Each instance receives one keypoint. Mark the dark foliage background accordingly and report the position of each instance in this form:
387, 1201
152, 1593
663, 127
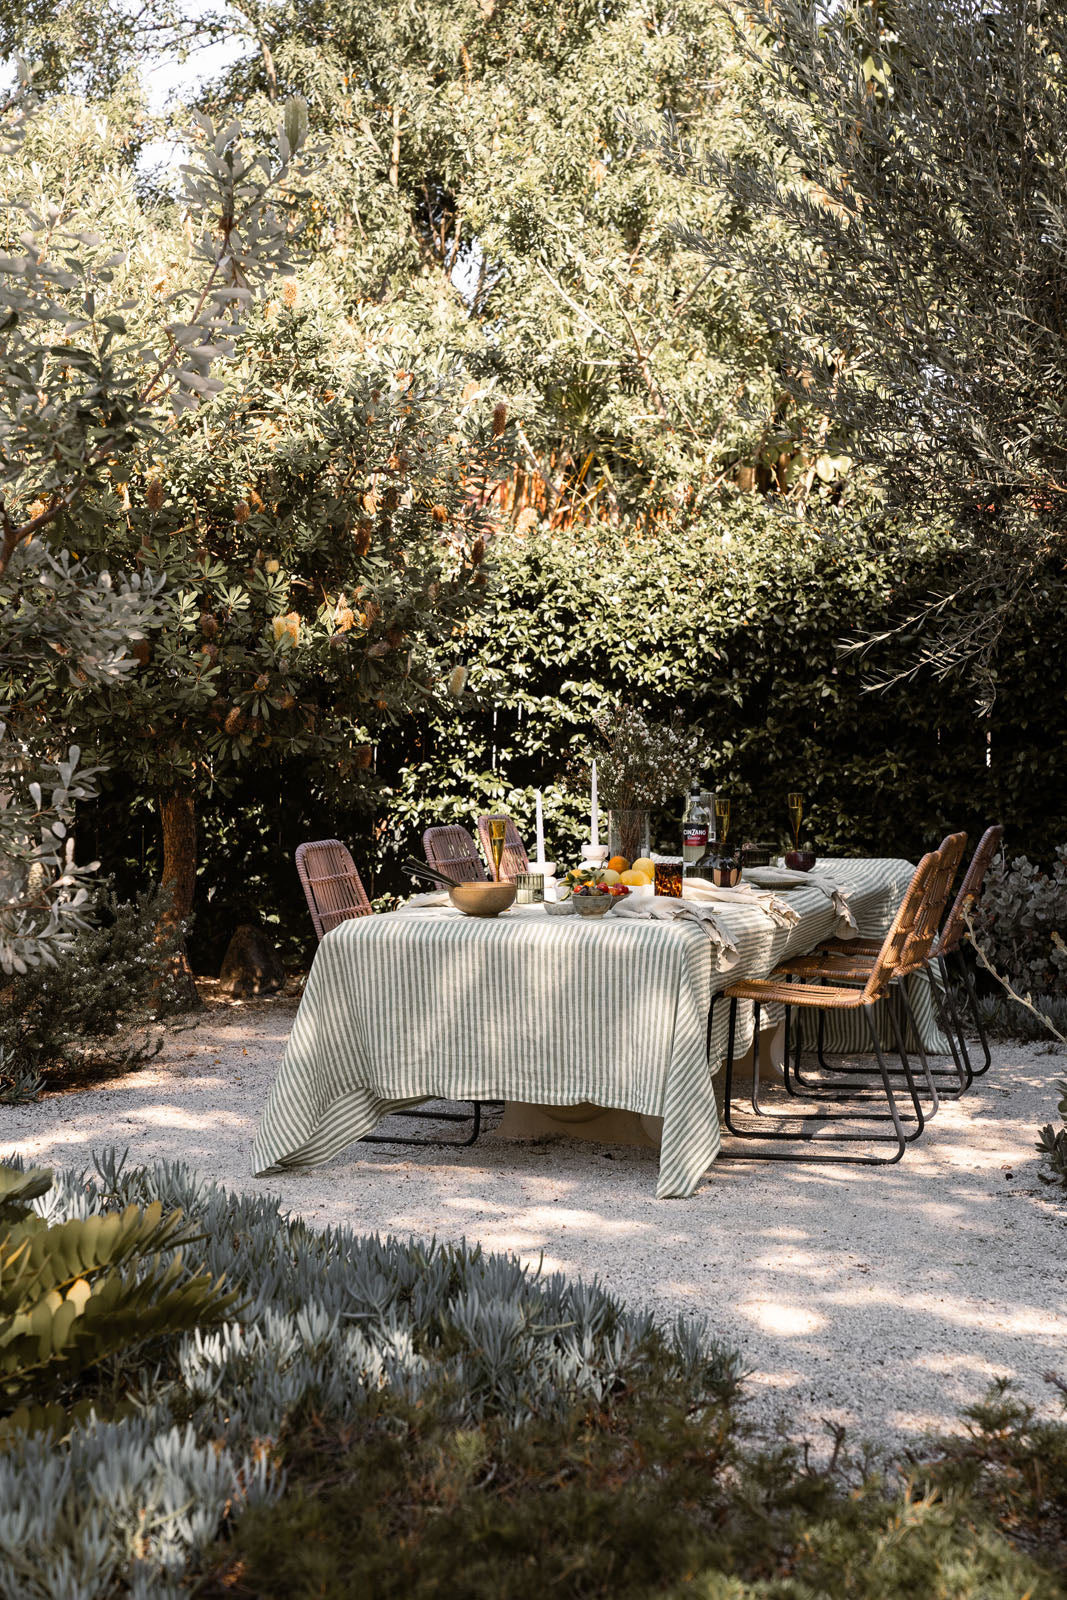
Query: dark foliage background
743, 636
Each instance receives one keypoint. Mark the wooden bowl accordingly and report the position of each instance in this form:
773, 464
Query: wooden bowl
482, 899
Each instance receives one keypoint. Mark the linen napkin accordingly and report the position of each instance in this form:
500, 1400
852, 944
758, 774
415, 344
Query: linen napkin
661, 908
782, 877
700, 892
427, 901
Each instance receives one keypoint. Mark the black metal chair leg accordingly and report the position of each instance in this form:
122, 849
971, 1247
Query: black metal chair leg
951, 1024
474, 1117
972, 995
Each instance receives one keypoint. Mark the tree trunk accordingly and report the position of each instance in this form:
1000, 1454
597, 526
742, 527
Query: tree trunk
177, 812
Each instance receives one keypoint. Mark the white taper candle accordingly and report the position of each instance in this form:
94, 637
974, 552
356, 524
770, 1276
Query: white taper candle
594, 813
540, 827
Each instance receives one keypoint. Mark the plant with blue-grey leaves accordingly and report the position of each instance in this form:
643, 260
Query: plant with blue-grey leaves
165, 1442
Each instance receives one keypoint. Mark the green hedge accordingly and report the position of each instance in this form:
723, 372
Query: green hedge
737, 622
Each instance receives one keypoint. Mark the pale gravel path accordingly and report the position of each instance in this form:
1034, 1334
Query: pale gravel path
883, 1298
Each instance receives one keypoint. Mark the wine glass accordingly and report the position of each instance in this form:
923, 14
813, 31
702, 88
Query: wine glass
795, 802
722, 817
497, 831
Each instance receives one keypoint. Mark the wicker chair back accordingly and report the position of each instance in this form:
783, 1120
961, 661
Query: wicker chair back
452, 851
970, 890
332, 886
514, 860
890, 958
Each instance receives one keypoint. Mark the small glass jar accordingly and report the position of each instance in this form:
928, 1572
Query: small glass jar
529, 888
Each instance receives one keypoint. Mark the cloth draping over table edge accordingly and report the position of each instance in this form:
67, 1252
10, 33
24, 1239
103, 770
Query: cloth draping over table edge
362, 1045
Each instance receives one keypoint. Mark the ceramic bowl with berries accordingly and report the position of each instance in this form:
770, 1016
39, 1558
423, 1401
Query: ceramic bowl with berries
594, 890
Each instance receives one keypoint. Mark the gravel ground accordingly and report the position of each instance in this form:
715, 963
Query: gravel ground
882, 1299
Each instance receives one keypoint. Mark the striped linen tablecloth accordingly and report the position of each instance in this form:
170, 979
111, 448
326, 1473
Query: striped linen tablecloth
424, 1004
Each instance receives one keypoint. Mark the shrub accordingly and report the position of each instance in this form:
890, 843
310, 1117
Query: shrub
374, 1338
1022, 911
58, 1023
1052, 1143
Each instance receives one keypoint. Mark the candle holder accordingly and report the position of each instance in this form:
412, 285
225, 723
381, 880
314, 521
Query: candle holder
595, 854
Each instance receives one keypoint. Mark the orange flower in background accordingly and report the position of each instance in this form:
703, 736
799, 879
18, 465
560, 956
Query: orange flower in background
439, 513
290, 292
153, 495
242, 511
344, 618
500, 418
289, 624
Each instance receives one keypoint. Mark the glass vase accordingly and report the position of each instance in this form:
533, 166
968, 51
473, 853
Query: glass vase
628, 834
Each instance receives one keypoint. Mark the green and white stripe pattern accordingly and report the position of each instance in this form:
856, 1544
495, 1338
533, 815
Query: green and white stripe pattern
430, 1004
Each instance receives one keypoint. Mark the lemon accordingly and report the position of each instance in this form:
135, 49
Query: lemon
609, 875
634, 879
643, 864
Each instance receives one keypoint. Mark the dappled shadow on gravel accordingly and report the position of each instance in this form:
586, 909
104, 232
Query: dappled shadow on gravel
881, 1299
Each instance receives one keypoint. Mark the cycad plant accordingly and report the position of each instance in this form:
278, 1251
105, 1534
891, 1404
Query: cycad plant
76, 1292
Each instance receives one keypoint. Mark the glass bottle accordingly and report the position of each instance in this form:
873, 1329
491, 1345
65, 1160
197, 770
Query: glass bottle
695, 826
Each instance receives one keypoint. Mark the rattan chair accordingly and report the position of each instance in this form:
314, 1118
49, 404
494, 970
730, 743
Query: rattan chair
514, 860
781, 989
332, 887
851, 961
335, 894
452, 851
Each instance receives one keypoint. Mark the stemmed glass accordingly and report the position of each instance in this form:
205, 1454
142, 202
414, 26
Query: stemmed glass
795, 802
497, 831
722, 817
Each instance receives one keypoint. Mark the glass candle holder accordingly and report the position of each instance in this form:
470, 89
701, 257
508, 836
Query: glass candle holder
529, 888
668, 876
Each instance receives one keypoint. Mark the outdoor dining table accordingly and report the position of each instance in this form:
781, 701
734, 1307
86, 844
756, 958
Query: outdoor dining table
424, 1003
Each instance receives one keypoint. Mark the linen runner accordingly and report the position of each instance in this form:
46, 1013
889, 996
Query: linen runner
550, 1010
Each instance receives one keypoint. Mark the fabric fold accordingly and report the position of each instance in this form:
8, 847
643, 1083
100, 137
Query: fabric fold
698, 891
785, 878
662, 908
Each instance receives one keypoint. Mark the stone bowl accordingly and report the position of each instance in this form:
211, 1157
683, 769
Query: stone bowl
482, 899
595, 905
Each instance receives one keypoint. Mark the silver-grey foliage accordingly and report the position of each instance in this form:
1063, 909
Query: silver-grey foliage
330, 1320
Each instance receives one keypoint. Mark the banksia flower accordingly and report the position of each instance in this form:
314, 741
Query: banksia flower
477, 552
392, 499
370, 502
371, 611
289, 624
286, 702
209, 625
439, 513
141, 651
363, 755
290, 293
344, 618
211, 652
242, 511
272, 566
153, 495
363, 537
500, 418
235, 721
457, 682
395, 637
261, 683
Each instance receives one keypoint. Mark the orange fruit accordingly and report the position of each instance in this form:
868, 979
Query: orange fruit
619, 864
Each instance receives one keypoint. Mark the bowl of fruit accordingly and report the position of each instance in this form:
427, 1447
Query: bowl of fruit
594, 890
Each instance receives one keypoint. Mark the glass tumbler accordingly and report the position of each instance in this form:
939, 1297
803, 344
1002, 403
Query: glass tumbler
668, 876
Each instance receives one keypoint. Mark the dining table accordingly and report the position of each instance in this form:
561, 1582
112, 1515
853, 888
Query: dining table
426, 1003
